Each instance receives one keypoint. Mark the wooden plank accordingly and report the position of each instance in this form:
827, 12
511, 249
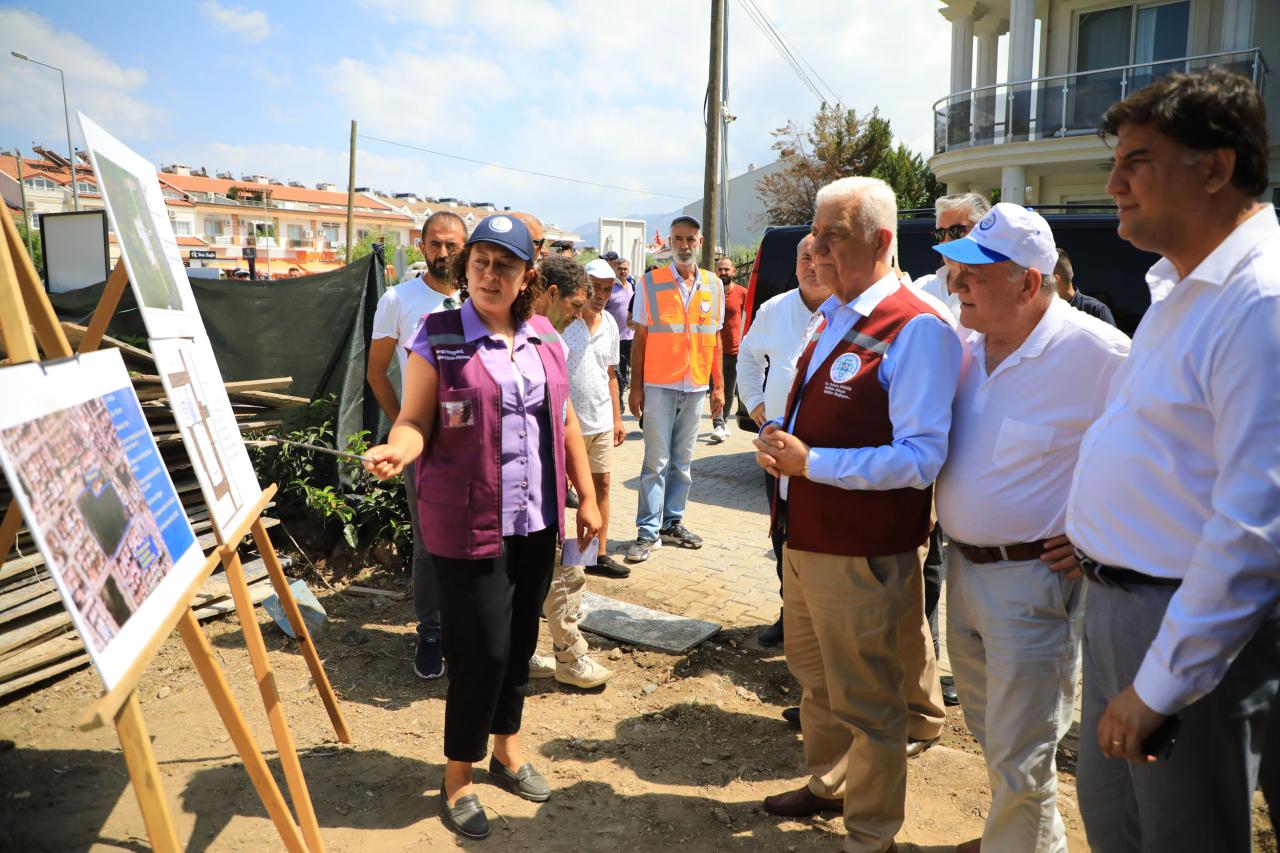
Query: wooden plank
15, 639
36, 657
18, 565
244, 386
32, 605
40, 675
133, 356
371, 592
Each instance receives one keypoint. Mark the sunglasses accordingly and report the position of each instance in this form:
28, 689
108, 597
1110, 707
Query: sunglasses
954, 232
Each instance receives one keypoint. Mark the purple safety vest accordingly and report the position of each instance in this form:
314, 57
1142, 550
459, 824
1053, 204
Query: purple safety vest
460, 471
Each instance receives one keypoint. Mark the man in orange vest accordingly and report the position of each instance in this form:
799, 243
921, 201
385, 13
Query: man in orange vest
675, 355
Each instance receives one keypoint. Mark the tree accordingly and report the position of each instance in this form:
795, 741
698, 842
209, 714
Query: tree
390, 240
839, 144
37, 247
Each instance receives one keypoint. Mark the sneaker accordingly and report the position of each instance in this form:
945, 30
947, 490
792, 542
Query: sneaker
542, 666
678, 534
607, 567
571, 498
718, 433
428, 660
640, 549
583, 672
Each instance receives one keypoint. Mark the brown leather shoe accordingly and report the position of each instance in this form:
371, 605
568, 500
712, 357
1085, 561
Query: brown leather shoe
973, 845
801, 803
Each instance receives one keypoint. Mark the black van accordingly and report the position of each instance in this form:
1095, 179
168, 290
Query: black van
1106, 267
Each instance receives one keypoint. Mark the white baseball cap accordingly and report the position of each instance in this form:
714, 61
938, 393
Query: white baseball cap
1010, 232
600, 269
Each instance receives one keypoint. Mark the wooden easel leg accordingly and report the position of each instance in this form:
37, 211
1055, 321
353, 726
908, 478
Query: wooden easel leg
271, 699
9, 529
145, 775
106, 309
290, 604
256, 766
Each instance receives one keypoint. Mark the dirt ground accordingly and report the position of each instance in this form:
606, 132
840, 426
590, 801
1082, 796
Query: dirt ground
675, 753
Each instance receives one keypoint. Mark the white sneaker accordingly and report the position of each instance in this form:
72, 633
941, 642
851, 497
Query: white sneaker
542, 666
715, 437
583, 672
722, 431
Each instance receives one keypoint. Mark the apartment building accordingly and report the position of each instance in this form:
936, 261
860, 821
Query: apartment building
1034, 136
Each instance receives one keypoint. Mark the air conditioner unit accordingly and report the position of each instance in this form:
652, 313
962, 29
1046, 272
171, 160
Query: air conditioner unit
307, 234
226, 221
333, 244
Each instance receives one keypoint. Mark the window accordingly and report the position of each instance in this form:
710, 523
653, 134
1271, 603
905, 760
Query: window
86, 187
40, 184
168, 193
295, 236
213, 226
1132, 34
330, 233
182, 227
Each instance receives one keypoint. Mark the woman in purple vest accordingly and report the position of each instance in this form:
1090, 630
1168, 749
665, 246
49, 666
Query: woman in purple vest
486, 406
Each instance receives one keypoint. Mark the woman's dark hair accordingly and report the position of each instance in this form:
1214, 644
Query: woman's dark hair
522, 308
1203, 110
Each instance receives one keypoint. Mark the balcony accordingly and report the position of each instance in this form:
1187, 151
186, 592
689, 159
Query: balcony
1063, 105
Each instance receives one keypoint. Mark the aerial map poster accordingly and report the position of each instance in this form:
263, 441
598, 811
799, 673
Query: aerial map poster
207, 422
99, 502
141, 224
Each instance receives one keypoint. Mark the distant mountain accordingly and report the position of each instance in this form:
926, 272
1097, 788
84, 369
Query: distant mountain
590, 231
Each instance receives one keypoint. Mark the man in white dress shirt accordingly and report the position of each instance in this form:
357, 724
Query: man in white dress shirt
1175, 502
954, 216
767, 365
1014, 595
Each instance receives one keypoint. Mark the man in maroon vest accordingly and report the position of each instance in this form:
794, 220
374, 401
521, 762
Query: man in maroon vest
856, 454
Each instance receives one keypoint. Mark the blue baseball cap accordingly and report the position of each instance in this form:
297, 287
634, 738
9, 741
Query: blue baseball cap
505, 231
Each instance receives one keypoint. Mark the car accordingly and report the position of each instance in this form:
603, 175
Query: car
1106, 267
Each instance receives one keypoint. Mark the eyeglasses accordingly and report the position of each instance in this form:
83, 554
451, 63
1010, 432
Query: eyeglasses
954, 232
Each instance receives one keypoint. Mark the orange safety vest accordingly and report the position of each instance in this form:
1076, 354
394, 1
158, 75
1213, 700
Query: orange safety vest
680, 340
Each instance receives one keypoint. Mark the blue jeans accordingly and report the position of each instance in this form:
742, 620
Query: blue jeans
670, 429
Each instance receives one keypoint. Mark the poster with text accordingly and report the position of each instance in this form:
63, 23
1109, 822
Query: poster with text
88, 476
141, 224
208, 426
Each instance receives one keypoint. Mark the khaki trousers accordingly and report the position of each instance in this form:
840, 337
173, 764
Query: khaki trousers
562, 609
853, 627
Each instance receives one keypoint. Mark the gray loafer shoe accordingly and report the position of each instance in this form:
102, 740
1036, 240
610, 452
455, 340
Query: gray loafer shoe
526, 782
465, 817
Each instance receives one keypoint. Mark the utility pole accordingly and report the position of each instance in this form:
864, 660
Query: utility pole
22, 196
351, 194
711, 170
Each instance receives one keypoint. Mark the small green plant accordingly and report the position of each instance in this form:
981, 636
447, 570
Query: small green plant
339, 494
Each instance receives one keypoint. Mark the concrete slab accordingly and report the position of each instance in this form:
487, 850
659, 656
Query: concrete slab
642, 626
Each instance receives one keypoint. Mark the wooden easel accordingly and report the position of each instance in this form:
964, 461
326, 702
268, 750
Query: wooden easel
19, 288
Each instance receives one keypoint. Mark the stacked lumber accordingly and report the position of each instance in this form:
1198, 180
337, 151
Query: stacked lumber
37, 640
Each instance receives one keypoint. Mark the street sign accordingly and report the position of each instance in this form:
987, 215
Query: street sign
202, 254
249, 252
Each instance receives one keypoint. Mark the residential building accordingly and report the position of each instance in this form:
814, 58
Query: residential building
1034, 136
421, 207
745, 213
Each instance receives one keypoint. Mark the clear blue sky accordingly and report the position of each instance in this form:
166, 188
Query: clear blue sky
605, 90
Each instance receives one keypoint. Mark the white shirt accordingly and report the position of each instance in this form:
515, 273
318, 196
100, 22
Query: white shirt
778, 335
919, 371
591, 354
401, 309
1015, 434
640, 316
1180, 476
935, 284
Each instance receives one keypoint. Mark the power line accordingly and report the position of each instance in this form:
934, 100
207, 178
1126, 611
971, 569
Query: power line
771, 36
792, 48
522, 171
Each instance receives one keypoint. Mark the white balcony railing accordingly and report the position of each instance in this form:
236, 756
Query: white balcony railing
1064, 104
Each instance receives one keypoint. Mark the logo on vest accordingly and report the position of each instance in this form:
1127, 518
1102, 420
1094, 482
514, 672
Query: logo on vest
844, 368
706, 305
459, 354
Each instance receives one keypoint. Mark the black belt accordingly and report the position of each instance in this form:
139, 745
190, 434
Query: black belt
1104, 575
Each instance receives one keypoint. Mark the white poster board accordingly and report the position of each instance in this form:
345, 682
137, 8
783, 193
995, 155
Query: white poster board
74, 248
627, 238
190, 375
145, 234
88, 476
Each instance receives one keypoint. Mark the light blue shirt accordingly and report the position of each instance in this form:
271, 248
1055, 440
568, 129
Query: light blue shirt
920, 371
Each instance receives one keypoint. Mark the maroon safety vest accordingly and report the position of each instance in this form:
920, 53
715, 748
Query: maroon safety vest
843, 406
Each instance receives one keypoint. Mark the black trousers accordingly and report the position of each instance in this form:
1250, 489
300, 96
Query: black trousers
624, 368
935, 572
729, 364
490, 610
778, 538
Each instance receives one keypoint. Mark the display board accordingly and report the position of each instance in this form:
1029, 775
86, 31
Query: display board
627, 238
74, 249
189, 373
98, 500
148, 245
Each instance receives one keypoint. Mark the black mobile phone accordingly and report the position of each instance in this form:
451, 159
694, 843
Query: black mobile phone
1160, 742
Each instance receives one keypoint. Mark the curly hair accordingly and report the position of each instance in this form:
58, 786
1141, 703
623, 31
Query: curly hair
522, 308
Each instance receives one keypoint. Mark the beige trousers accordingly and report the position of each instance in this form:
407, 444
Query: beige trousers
853, 627
562, 608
